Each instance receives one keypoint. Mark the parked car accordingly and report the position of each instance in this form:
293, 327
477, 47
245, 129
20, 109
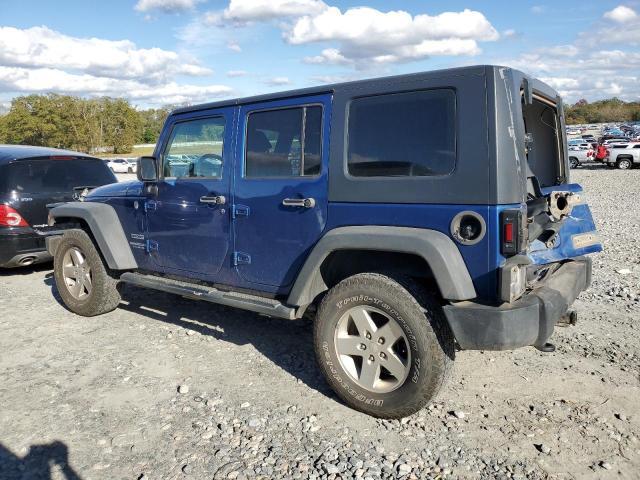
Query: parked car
578, 142
31, 178
578, 156
389, 209
120, 165
624, 156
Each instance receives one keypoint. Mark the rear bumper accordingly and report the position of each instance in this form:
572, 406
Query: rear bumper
21, 249
527, 321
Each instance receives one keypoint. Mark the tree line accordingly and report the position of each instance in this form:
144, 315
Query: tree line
86, 125
602, 111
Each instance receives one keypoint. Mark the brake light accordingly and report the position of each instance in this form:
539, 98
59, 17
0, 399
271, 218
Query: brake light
10, 218
508, 232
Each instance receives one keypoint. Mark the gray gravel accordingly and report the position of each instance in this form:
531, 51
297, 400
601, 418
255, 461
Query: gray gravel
165, 387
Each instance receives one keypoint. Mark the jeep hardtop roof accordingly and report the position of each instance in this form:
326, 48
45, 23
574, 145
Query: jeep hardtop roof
355, 85
9, 153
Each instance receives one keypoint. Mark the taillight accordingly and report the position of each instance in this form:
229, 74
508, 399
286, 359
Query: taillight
10, 218
512, 233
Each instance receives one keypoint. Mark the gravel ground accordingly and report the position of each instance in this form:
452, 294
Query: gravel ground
166, 388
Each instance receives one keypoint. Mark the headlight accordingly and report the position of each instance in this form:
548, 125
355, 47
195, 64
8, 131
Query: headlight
513, 282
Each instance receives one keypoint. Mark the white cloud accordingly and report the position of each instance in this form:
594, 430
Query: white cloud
368, 35
538, 9
236, 73
166, 6
234, 47
621, 14
509, 33
45, 80
243, 11
277, 81
41, 47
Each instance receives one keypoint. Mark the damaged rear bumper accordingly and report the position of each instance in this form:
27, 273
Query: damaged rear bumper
527, 321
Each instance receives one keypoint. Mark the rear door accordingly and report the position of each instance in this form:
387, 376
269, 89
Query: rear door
280, 191
188, 214
34, 183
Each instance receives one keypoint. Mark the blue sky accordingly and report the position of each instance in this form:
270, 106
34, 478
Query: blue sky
156, 52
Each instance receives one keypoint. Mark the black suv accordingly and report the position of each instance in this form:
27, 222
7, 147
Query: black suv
31, 178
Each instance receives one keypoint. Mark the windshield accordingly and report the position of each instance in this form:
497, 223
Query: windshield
53, 175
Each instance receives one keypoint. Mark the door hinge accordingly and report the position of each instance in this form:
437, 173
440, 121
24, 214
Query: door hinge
240, 258
240, 211
150, 205
151, 246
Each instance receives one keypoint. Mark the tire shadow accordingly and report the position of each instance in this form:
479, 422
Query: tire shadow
37, 463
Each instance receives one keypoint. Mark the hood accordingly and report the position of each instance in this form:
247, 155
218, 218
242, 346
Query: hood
121, 189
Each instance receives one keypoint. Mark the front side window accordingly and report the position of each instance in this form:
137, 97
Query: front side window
195, 149
284, 143
402, 134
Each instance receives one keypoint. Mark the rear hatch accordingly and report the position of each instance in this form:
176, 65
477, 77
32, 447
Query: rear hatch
28, 185
559, 224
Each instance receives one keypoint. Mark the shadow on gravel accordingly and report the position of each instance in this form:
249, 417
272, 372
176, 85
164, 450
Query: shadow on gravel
288, 344
37, 464
39, 267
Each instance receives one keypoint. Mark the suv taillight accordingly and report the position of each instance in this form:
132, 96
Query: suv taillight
512, 232
10, 218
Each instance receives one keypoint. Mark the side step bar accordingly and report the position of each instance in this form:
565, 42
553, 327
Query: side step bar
253, 303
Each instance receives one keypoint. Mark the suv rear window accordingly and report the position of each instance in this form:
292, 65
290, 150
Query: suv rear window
402, 134
53, 175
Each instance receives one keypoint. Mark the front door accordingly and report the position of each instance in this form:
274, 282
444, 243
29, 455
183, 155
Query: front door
280, 193
188, 216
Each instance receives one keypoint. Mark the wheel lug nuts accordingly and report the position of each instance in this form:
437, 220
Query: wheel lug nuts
383, 355
381, 340
368, 336
363, 346
371, 358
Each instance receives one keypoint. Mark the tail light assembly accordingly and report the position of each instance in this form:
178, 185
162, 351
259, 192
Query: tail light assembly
9, 217
513, 232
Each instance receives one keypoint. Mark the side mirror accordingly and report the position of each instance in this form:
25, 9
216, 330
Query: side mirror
147, 169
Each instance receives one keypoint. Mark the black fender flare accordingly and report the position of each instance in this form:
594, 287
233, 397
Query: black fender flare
437, 249
105, 227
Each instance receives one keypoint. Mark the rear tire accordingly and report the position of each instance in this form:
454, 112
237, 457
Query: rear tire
402, 337
573, 162
82, 279
130, 170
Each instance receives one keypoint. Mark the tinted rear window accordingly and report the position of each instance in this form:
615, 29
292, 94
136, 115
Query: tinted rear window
403, 134
48, 176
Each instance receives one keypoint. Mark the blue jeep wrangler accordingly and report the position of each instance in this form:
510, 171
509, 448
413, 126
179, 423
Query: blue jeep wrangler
413, 216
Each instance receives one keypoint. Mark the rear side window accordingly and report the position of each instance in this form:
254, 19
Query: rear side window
195, 149
284, 143
55, 176
402, 134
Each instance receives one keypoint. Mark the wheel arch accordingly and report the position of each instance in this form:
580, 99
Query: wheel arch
103, 224
435, 250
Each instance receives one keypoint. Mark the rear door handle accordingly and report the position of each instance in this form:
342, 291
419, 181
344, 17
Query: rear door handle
299, 202
215, 200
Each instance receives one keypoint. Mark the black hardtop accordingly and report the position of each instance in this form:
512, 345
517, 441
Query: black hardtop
9, 153
365, 84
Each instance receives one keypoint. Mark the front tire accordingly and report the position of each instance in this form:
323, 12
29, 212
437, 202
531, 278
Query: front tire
82, 279
624, 164
573, 162
383, 344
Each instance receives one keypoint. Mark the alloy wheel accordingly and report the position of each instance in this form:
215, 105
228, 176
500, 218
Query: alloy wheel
76, 273
373, 349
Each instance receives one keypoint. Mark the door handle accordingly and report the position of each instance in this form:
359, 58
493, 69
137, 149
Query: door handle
214, 200
299, 202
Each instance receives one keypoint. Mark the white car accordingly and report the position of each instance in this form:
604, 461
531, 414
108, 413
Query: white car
624, 156
120, 165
